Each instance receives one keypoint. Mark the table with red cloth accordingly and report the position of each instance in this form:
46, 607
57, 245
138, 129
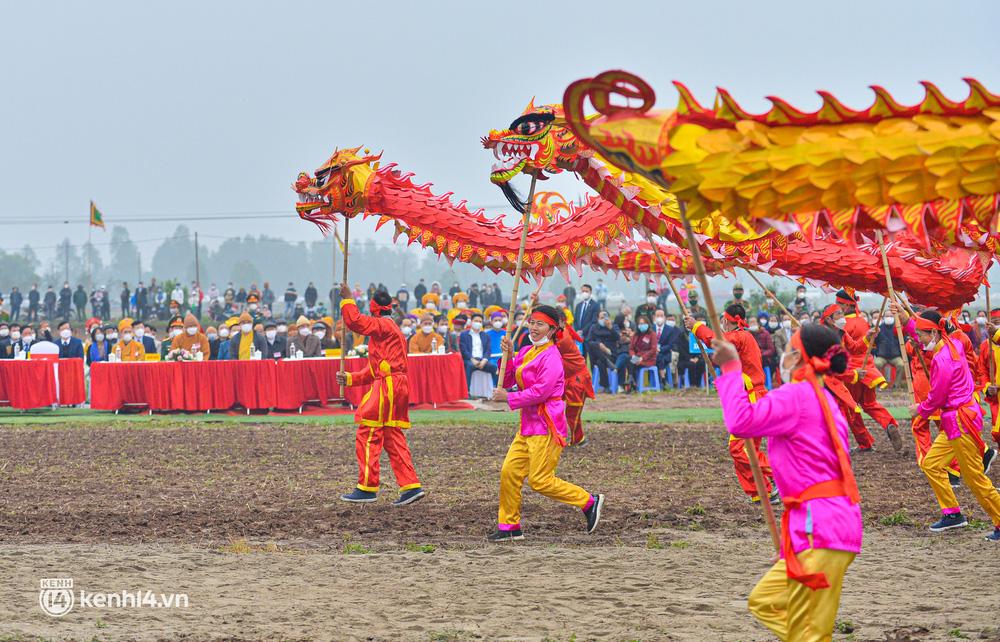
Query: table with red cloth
258, 385
32, 383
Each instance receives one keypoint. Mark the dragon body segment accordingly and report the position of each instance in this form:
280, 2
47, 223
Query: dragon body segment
932, 169
600, 231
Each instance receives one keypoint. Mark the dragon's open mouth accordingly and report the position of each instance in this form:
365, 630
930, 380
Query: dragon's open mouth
512, 156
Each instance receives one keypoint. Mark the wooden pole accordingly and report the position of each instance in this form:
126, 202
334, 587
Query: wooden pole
774, 298
881, 311
501, 371
527, 312
918, 350
343, 326
748, 444
709, 368
899, 327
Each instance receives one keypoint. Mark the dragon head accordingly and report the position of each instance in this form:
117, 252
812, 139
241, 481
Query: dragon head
538, 141
337, 187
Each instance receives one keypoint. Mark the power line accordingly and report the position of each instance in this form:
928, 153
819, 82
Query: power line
10, 219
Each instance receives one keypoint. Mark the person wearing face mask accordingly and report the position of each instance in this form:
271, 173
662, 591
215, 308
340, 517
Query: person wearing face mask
304, 340
647, 309
496, 332
538, 372
276, 345
253, 307
191, 339
602, 347
642, 351
951, 395
406, 326
6, 344
69, 346
460, 301
243, 343
768, 354
128, 347
384, 411
887, 351
920, 426
779, 337
27, 339
431, 301
800, 306
754, 386
212, 334
148, 342
833, 317
453, 336
99, 347
821, 528
226, 330
474, 345
863, 377
737, 296
426, 340
693, 308
586, 310
667, 338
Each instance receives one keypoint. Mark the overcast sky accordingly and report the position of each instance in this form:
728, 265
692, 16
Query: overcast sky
212, 107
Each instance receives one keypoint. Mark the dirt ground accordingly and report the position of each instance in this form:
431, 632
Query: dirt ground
244, 519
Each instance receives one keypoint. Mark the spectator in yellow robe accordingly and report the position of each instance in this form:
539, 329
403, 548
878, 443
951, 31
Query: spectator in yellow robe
128, 348
426, 340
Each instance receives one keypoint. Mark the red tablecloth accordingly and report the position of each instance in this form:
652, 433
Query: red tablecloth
72, 387
285, 384
27, 384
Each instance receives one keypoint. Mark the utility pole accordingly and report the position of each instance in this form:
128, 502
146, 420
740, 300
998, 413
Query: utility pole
66, 258
138, 266
197, 266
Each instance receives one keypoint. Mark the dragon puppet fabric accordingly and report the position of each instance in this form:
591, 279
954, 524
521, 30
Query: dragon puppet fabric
932, 169
599, 232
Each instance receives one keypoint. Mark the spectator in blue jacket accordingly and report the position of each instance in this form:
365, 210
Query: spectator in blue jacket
474, 345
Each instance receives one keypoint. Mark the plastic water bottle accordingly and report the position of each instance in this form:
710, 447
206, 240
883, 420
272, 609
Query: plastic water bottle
434, 346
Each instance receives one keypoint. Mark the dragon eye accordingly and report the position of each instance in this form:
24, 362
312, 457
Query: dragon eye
531, 123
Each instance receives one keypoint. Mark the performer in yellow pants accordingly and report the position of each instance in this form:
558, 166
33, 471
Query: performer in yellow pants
534, 454
952, 395
534, 458
792, 610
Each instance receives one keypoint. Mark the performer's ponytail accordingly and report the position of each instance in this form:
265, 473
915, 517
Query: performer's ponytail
822, 345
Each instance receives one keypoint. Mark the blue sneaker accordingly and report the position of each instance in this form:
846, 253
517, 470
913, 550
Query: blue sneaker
358, 496
948, 522
410, 496
995, 535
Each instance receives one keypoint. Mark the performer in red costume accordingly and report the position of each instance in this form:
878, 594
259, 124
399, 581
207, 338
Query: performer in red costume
863, 378
579, 386
734, 328
384, 411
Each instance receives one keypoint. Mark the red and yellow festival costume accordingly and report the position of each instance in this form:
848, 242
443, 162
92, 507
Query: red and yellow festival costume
951, 394
989, 358
862, 377
534, 453
384, 410
754, 383
579, 386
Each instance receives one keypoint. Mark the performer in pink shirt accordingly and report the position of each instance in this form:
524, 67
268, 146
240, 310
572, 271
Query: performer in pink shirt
808, 446
534, 454
951, 395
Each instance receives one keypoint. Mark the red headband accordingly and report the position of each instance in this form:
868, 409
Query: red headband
538, 315
377, 309
995, 314
739, 321
829, 311
928, 326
